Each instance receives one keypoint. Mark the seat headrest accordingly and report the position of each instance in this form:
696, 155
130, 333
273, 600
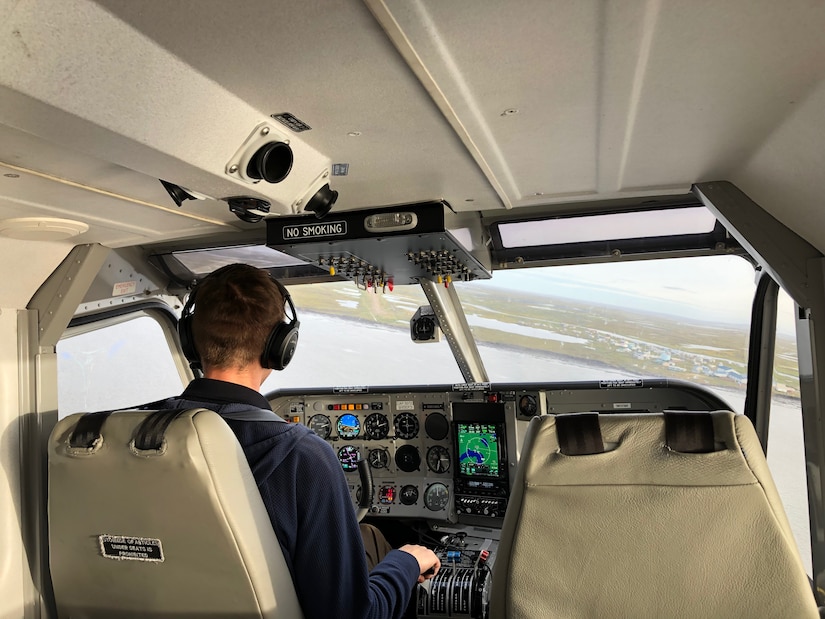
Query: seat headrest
156, 514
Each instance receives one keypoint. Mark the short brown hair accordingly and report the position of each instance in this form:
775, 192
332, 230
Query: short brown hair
236, 308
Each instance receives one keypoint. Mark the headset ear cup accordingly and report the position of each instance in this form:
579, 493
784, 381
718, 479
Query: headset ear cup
280, 346
187, 341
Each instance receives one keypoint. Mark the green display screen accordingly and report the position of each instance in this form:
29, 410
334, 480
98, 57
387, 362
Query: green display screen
478, 449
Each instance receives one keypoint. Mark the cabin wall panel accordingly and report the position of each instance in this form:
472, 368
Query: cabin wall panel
26, 265
15, 582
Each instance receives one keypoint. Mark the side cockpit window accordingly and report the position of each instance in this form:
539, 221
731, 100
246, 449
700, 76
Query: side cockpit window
786, 442
115, 363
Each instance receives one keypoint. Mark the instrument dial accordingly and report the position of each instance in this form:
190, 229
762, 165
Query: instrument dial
406, 426
438, 459
436, 497
378, 458
321, 425
527, 405
436, 426
348, 426
377, 426
409, 495
407, 458
349, 456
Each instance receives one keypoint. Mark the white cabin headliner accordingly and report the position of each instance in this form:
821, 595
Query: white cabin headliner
614, 99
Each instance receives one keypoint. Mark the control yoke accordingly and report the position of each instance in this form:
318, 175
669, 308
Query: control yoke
365, 501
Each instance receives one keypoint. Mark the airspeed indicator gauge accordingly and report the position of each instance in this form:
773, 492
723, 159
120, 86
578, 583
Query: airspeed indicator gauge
321, 425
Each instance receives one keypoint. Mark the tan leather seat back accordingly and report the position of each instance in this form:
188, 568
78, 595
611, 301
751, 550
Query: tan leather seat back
153, 521
644, 530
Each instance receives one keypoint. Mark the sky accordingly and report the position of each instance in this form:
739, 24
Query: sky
714, 288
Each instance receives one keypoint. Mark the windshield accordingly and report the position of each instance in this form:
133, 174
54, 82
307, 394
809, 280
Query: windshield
352, 337
685, 318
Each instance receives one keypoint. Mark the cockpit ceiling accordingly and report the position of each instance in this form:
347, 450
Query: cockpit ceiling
485, 105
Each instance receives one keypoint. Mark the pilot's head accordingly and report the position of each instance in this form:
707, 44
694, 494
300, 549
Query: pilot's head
238, 308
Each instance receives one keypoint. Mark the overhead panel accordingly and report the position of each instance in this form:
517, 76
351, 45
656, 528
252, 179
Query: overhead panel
386, 247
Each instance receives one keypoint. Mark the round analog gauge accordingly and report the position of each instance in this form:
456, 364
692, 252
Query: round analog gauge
377, 426
407, 458
438, 459
386, 495
527, 405
348, 456
436, 497
436, 426
321, 425
378, 458
348, 426
406, 426
409, 495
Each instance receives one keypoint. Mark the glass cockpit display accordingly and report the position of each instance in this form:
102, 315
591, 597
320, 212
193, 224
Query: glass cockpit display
478, 449
481, 482
348, 426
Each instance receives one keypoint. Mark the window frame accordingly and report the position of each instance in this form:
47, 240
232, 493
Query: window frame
156, 310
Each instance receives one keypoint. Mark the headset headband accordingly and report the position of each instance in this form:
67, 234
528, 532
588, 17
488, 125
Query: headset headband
280, 344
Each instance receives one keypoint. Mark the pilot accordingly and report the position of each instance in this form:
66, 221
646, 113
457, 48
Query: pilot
233, 326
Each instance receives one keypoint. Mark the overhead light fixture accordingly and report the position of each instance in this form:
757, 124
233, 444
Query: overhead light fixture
41, 228
390, 222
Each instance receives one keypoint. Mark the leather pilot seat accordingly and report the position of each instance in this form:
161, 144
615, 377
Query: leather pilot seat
155, 514
636, 516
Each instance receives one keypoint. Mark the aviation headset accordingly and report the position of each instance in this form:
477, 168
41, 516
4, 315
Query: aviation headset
280, 344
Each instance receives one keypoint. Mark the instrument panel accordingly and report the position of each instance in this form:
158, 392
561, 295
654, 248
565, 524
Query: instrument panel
449, 453
405, 438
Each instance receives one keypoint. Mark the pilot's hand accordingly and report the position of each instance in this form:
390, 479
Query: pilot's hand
428, 562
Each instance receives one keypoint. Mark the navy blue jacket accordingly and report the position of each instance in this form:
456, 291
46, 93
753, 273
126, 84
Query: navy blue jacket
306, 494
